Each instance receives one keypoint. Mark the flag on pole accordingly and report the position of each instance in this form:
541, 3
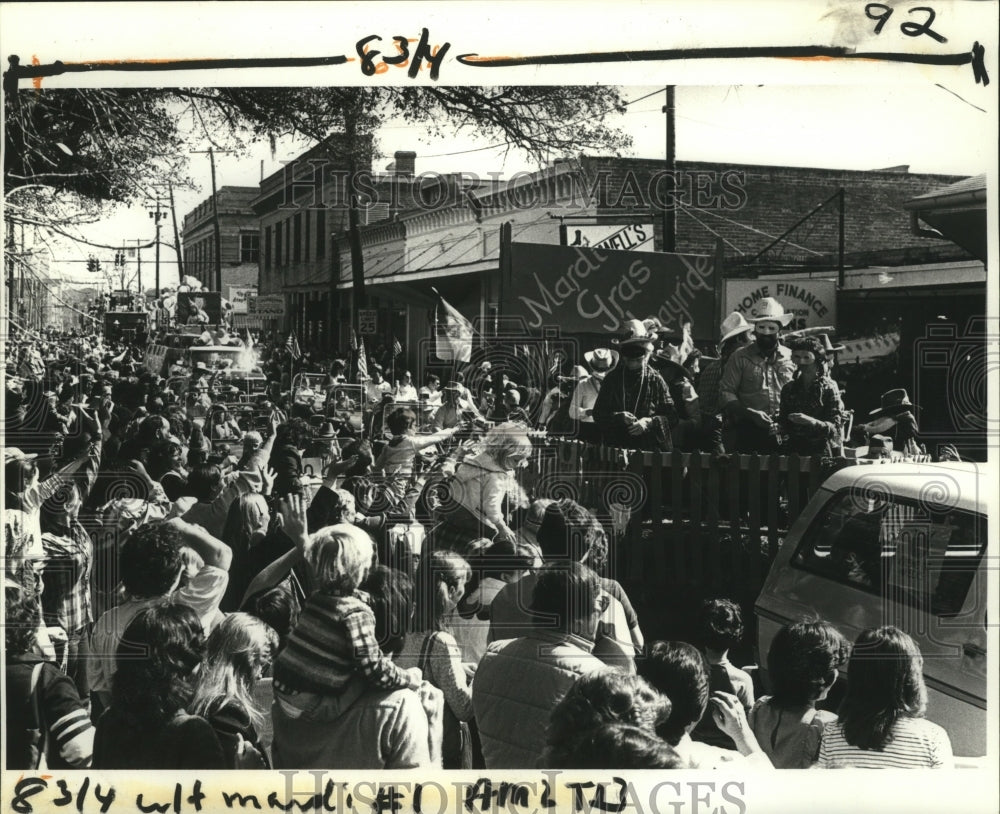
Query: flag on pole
396, 347
292, 345
249, 340
454, 335
362, 361
354, 339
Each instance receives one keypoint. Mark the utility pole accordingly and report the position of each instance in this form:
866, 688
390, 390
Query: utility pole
157, 214
177, 237
670, 211
215, 216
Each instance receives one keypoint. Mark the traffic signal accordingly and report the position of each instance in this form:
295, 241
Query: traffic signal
92, 264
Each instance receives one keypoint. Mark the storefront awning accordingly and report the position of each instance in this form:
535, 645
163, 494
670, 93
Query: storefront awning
957, 212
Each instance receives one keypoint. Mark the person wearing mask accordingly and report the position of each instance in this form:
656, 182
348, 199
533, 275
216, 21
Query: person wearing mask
735, 333
811, 414
581, 407
750, 388
634, 409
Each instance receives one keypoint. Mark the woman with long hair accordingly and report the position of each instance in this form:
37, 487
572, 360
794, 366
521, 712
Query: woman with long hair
440, 584
246, 527
882, 723
811, 413
147, 725
238, 654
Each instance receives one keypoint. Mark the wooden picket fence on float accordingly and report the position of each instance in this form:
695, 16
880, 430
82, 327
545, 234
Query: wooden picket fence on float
682, 517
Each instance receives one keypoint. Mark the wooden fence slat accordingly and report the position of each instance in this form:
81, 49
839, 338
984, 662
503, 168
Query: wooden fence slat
794, 493
712, 530
753, 508
773, 497
654, 471
678, 531
696, 535
733, 488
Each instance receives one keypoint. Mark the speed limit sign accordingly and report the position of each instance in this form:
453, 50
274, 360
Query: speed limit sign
368, 321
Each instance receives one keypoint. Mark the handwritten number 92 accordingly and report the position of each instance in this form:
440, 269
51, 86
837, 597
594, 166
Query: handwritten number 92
882, 13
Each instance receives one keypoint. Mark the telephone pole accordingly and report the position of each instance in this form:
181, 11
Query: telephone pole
670, 210
215, 215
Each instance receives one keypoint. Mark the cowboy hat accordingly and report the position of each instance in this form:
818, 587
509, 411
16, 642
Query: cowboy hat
601, 358
636, 333
578, 373
453, 385
893, 402
201, 366
663, 360
770, 310
326, 430
734, 325
824, 340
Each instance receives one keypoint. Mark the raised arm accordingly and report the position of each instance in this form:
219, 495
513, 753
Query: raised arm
213, 551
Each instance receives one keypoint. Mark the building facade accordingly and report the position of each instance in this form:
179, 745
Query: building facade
239, 234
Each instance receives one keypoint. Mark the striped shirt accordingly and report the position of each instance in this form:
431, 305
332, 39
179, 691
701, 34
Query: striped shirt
333, 639
916, 744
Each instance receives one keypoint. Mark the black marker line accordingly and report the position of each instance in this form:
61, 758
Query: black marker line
974, 57
57, 68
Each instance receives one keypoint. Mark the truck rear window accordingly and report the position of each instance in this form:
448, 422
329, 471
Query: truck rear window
913, 553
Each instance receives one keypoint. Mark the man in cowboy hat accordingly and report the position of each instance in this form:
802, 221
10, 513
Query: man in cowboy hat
581, 406
750, 387
634, 409
895, 419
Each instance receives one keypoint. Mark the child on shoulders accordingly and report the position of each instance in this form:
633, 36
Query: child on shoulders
334, 638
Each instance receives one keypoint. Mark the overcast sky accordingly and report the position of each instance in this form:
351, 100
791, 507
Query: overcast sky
842, 126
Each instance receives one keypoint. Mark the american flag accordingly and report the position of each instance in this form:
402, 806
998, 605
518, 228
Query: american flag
362, 361
354, 339
292, 345
396, 347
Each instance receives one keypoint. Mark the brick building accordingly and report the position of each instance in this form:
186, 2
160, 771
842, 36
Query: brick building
239, 239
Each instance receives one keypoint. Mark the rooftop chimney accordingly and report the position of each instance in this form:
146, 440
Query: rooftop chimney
406, 162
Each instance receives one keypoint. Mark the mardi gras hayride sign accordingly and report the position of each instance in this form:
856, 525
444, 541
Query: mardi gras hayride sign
595, 291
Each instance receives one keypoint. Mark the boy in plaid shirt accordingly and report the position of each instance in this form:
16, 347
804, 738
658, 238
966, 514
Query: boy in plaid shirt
335, 635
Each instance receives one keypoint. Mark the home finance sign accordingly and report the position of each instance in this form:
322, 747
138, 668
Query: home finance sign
591, 290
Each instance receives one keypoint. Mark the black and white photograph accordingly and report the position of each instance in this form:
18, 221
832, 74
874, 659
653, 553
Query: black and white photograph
502, 398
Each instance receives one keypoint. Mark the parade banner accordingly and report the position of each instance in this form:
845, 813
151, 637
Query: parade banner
814, 302
589, 290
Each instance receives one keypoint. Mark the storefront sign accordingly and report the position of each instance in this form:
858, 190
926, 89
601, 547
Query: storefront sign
813, 302
587, 290
266, 305
239, 295
614, 236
